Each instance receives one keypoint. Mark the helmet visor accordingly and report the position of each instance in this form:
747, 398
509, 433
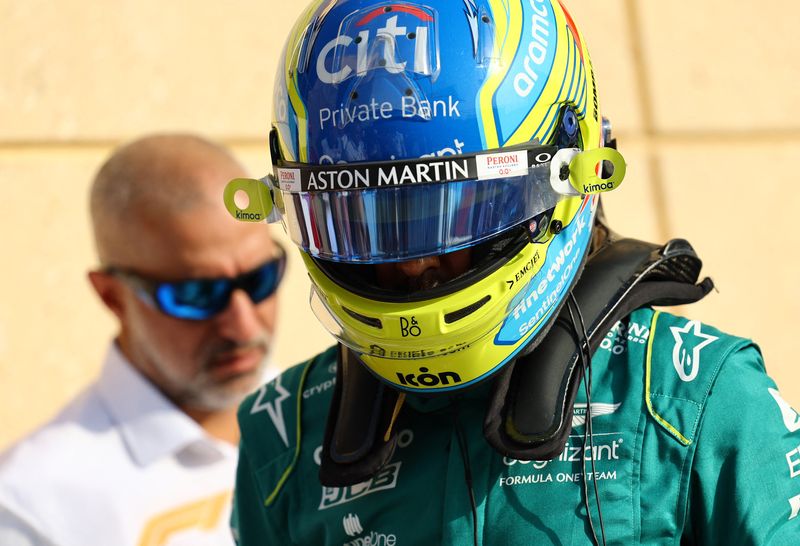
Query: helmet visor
398, 210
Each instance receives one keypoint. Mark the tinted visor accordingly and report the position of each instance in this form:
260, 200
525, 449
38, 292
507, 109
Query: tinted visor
392, 211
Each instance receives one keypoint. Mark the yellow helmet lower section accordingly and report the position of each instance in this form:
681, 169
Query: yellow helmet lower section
453, 341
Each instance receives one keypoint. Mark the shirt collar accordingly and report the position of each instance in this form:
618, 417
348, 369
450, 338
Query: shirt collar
151, 426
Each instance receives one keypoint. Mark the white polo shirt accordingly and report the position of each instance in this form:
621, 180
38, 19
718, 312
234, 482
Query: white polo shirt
119, 466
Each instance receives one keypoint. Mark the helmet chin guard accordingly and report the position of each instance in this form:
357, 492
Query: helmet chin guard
458, 339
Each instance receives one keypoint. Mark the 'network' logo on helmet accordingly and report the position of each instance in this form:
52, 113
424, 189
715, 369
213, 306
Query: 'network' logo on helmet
389, 47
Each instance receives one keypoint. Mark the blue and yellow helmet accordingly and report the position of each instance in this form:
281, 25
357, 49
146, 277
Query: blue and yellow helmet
410, 129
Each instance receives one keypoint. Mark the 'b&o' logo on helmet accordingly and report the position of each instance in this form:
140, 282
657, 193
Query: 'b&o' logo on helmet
409, 327
394, 38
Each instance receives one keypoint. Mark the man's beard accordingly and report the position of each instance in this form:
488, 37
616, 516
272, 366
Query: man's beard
203, 391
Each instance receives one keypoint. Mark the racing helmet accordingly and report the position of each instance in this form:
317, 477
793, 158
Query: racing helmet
404, 130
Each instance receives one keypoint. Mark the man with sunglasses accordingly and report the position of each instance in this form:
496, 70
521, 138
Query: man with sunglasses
146, 455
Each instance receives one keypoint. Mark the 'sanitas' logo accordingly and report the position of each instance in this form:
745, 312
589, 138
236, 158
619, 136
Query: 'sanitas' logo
352, 525
790, 418
688, 339
579, 412
273, 407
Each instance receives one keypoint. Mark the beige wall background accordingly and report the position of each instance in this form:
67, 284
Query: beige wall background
703, 95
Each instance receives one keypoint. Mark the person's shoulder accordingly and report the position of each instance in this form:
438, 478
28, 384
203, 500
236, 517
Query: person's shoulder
62, 439
57, 456
270, 418
684, 363
691, 351
679, 353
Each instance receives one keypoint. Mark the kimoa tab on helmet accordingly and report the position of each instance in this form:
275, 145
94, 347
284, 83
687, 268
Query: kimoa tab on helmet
596, 171
574, 172
260, 205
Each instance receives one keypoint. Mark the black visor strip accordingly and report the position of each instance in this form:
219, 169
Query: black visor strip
510, 162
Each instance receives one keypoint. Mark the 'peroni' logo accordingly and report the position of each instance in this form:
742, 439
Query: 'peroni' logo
427, 379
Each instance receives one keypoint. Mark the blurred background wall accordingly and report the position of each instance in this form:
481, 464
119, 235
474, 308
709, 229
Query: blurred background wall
703, 96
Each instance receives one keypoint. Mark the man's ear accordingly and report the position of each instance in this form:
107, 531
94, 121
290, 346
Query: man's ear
110, 290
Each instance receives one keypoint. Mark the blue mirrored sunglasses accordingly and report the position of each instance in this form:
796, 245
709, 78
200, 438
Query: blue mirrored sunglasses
200, 299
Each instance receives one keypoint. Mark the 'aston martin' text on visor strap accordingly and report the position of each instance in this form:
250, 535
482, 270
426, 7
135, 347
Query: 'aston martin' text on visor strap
396, 210
301, 177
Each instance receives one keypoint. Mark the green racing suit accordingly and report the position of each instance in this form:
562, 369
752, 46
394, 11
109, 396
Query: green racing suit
692, 444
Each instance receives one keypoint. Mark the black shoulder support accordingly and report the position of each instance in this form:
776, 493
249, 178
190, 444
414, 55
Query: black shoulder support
354, 448
528, 417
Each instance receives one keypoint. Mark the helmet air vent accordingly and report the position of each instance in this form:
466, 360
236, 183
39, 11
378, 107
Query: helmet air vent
450, 318
369, 321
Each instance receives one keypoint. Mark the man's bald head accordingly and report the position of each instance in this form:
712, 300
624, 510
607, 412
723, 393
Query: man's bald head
152, 178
